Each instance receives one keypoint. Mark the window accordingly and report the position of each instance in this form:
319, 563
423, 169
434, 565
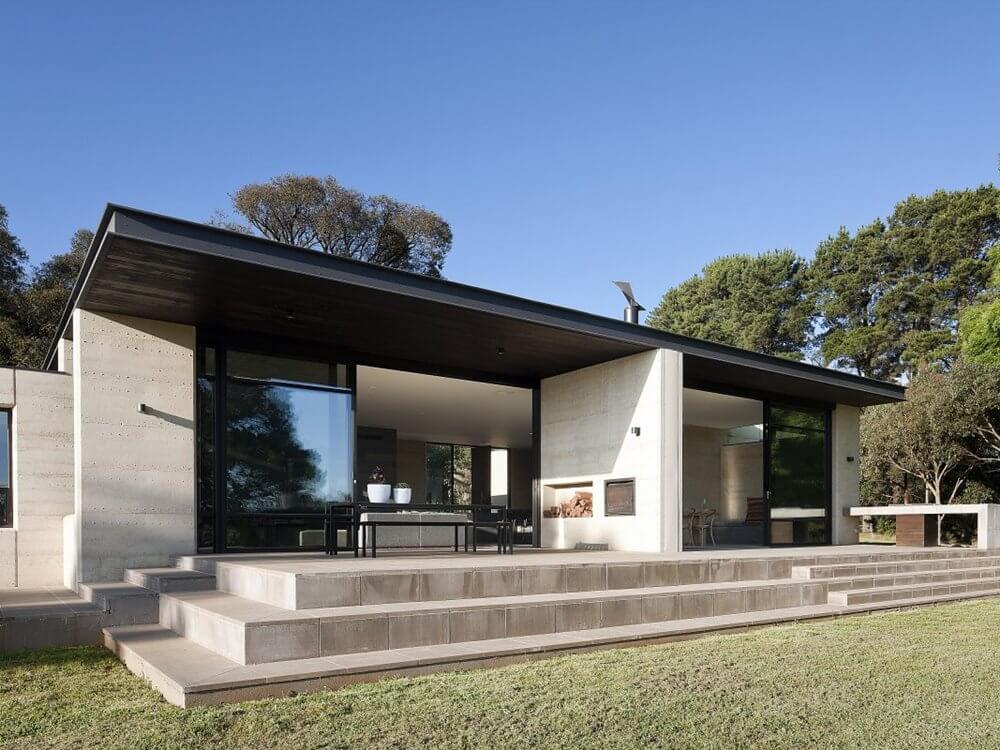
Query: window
274, 448
449, 473
6, 501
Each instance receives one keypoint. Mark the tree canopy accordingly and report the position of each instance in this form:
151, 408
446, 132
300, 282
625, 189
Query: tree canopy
757, 302
883, 301
889, 297
31, 301
930, 446
322, 214
979, 329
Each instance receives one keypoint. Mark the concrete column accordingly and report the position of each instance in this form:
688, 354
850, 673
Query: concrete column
64, 356
134, 471
846, 472
610, 421
672, 477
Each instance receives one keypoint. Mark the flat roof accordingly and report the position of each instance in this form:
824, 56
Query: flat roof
154, 266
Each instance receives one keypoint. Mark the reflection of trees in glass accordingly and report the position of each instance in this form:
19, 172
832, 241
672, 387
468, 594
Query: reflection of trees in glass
462, 475
797, 468
449, 473
437, 460
268, 467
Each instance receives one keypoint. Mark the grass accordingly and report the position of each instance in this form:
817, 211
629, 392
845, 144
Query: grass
924, 678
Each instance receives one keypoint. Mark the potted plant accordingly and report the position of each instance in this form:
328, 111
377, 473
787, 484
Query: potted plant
379, 490
401, 493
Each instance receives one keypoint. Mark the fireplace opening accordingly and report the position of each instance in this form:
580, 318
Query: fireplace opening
619, 497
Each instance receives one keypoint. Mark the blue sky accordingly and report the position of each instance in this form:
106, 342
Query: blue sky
567, 143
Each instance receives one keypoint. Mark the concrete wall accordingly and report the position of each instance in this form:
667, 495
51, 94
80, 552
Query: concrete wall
587, 418
702, 467
411, 467
742, 477
134, 472
846, 473
31, 550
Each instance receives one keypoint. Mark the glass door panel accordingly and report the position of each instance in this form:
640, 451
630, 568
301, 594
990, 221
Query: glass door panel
288, 454
798, 491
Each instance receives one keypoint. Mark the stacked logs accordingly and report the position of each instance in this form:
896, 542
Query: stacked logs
581, 505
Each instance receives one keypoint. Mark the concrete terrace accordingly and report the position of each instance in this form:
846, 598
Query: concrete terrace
234, 627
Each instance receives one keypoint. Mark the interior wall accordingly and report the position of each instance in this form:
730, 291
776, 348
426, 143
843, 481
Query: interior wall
702, 464
742, 476
411, 467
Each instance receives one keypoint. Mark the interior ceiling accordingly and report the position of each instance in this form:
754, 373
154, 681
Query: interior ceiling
706, 409
436, 409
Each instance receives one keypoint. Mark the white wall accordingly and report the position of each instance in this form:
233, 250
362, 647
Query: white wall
587, 418
42, 476
134, 472
846, 474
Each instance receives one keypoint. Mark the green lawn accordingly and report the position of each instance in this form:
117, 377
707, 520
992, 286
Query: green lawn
926, 678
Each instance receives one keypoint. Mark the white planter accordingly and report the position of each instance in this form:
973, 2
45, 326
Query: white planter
402, 495
379, 493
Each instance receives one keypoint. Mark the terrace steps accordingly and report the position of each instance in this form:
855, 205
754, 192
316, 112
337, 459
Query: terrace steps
189, 675
252, 633
231, 628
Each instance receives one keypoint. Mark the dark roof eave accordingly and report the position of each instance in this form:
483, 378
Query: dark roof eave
164, 231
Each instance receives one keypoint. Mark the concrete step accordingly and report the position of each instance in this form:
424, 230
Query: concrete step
862, 596
947, 575
189, 675
311, 583
166, 580
820, 572
125, 602
250, 632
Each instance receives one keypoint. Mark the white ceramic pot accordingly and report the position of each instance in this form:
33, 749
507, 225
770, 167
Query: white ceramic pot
402, 495
379, 493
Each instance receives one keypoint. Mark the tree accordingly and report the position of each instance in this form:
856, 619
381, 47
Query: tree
889, 298
847, 278
979, 327
13, 263
756, 302
43, 300
936, 437
322, 214
31, 303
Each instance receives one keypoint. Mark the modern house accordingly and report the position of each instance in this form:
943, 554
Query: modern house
213, 392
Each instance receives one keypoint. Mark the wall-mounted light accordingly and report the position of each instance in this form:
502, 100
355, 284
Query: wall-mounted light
501, 351
850, 459
636, 431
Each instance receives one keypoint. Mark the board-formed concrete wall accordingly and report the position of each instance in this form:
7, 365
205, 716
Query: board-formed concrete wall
587, 421
134, 472
846, 472
42, 475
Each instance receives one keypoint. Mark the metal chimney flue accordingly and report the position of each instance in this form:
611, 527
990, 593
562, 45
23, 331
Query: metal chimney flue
632, 310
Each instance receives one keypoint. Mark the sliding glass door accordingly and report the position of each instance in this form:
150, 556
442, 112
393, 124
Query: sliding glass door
797, 473
277, 432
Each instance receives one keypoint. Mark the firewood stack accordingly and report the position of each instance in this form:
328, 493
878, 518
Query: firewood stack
581, 505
